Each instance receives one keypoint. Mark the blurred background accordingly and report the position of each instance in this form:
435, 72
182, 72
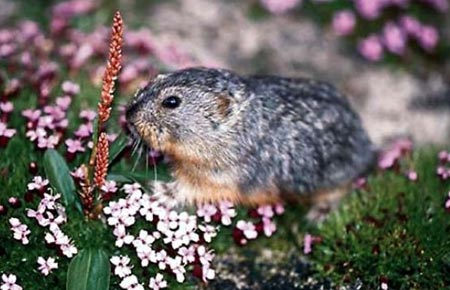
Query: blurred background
392, 58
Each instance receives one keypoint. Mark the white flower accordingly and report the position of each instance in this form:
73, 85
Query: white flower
205, 256
227, 212
187, 254
158, 282
9, 282
177, 268
132, 188
46, 266
209, 232
20, 231
131, 283
248, 229
206, 211
38, 183
122, 269
144, 238
207, 273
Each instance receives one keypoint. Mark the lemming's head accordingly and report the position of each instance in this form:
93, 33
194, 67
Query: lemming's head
184, 107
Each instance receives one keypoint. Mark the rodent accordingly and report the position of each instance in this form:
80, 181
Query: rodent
250, 139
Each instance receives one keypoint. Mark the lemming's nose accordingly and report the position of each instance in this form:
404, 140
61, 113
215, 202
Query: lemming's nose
132, 109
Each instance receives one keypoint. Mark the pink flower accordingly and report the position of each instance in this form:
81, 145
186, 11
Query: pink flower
9, 282
121, 266
74, 146
187, 254
269, 226
371, 48
6, 107
31, 115
265, 211
48, 143
88, 115
279, 7
157, 282
206, 211
307, 244
209, 232
84, 131
20, 231
369, 9
411, 25
70, 88
38, 183
63, 102
78, 173
344, 22
131, 283
227, 212
109, 186
412, 175
37, 134
248, 229
279, 208
5, 132
428, 38
47, 266
394, 38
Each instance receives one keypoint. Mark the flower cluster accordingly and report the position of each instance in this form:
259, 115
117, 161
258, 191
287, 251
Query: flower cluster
9, 282
45, 127
176, 244
6, 108
395, 33
390, 158
443, 171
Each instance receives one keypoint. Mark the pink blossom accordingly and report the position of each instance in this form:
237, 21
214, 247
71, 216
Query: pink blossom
279, 7
109, 186
70, 88
269, 226
279, 208
37, 134
394, 38
411, 25
227, 212
121, 268
68, 9
187, 254
157, 282
6, 107
20, 231
5, 132
248, 229
265, 211
307, 244
48, 143
47, 266
412, 175
74, 146
38, 183
131, 283
78, 173
206, 211
209, 232
371, 48
344, 22
84, 131
369, 9
63, 102
132, 188
9, 282
428, 38
31, 115
47, 121
88, 115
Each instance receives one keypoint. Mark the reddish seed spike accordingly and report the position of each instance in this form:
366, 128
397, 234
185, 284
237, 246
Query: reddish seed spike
101, 160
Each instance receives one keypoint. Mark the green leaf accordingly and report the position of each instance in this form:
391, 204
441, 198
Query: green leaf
117, 147
119, 178
89, 270
58, 174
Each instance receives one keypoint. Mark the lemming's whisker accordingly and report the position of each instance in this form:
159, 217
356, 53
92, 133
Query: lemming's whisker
136, 160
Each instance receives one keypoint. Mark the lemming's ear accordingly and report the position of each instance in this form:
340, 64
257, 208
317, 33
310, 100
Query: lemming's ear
224, 102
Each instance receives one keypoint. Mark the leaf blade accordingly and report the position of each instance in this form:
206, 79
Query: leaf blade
90, 269
58, 173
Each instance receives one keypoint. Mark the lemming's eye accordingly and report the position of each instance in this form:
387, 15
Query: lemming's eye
171, 102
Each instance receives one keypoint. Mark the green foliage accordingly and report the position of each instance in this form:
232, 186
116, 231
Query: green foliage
58, 174
396, 229
90, 269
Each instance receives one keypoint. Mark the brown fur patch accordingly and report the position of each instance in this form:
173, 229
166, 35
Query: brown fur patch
223, 105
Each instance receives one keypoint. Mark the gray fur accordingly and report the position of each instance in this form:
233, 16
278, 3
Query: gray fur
300, 135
